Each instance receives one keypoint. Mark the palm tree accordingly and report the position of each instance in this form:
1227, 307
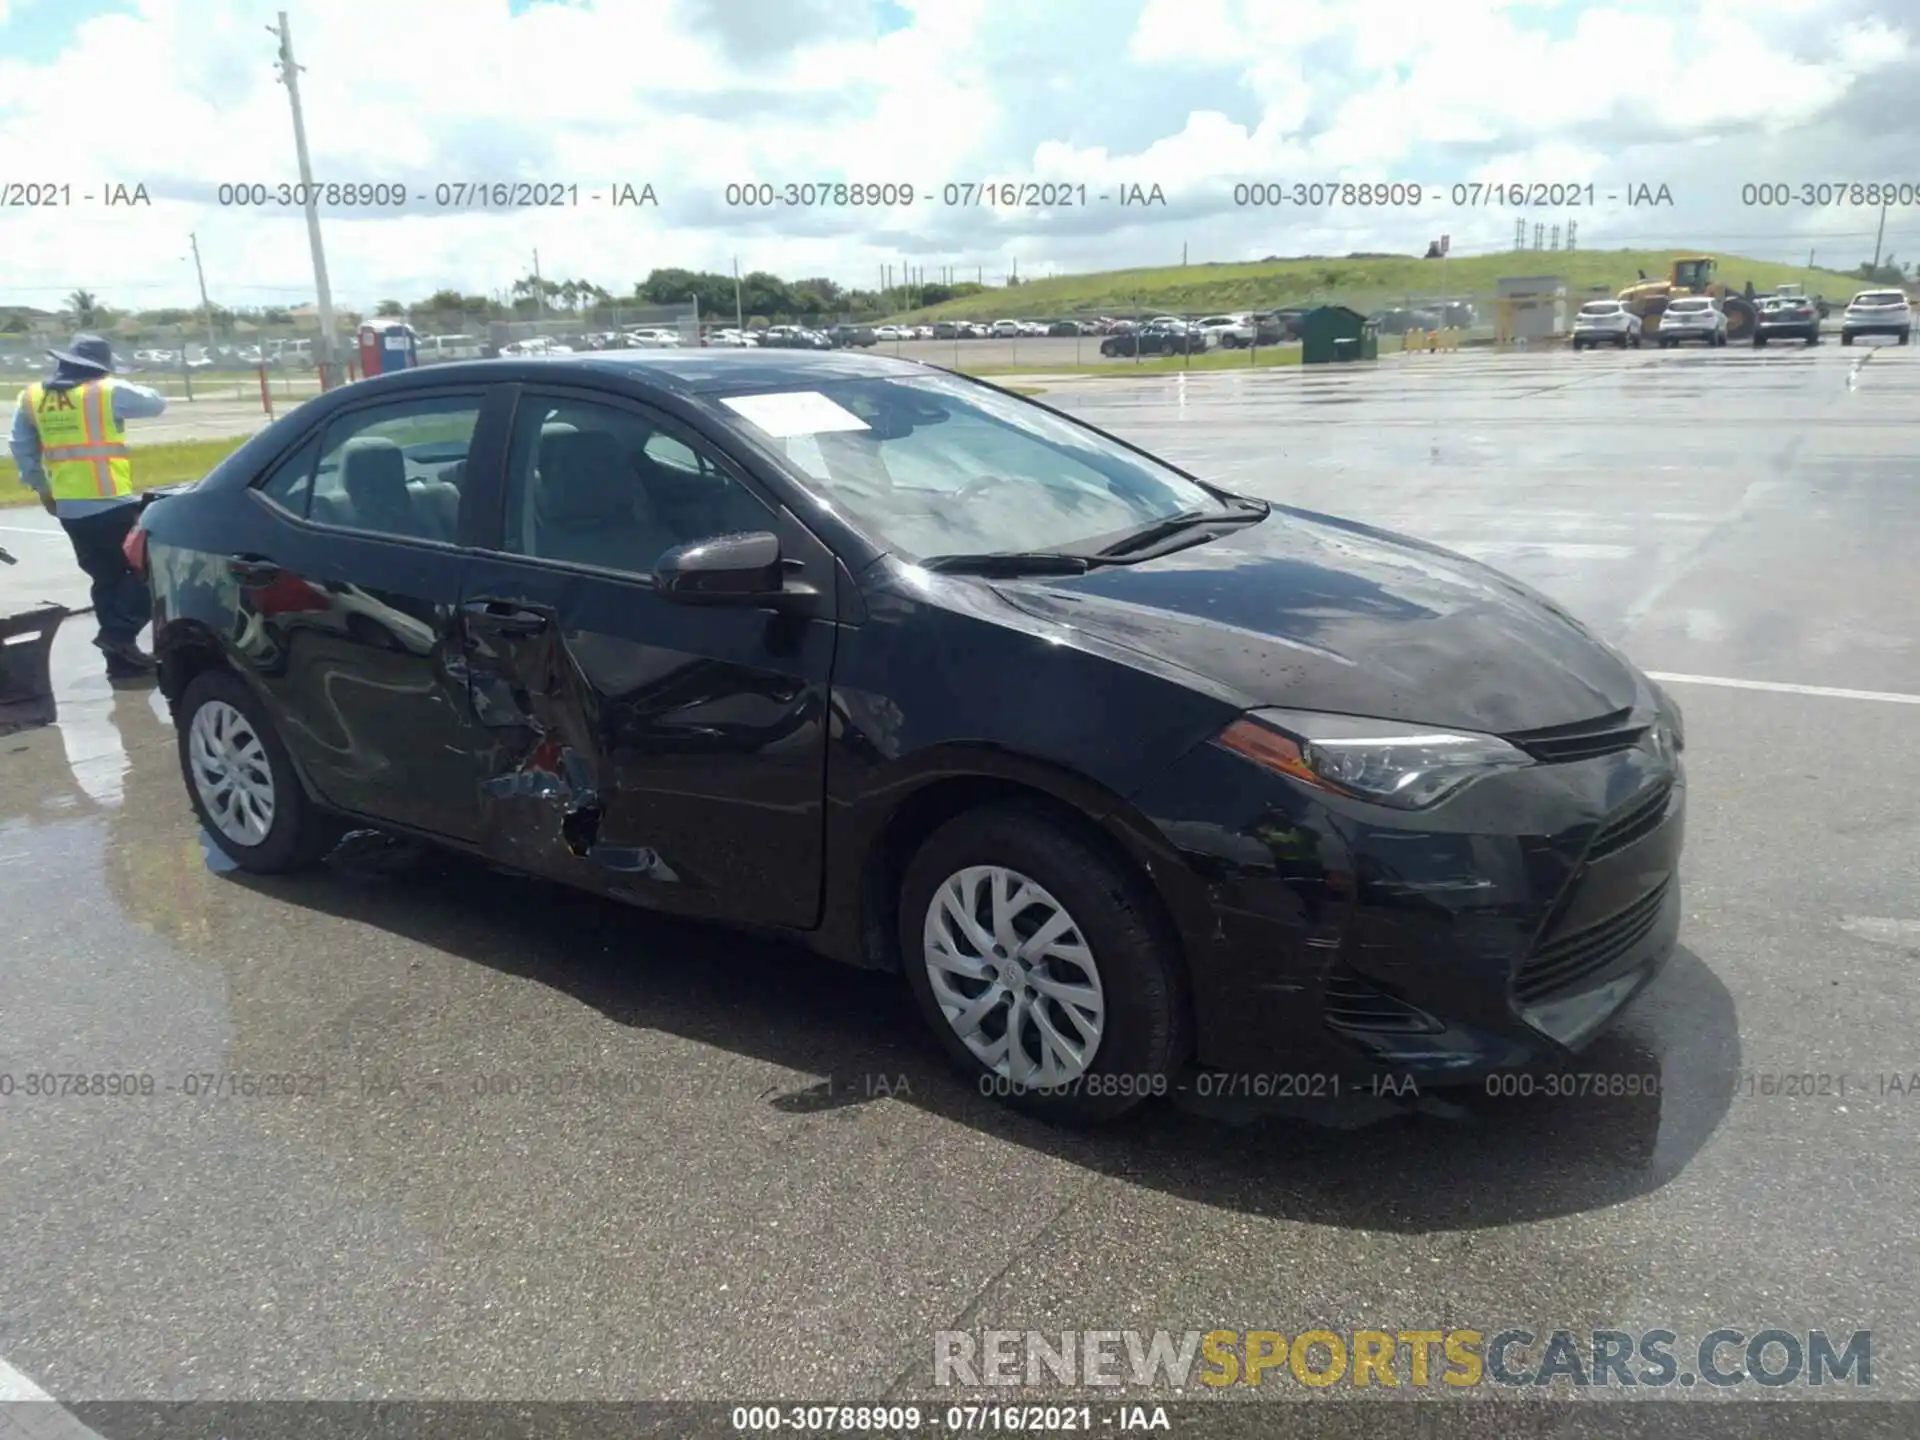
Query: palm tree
85, 307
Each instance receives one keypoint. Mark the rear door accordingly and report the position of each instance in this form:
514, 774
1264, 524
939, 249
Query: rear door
672, 754
348, 595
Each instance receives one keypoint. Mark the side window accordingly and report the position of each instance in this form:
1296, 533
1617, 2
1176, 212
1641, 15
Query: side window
594, 484
396, 469
290, 483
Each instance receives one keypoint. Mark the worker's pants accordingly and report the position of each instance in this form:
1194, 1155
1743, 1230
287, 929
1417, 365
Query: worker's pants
121, 604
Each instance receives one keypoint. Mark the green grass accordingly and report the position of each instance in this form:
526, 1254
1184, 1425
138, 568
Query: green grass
153, 466
1155, 364
1363, 284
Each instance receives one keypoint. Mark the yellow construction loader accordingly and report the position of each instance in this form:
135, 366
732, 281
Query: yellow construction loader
1691, 275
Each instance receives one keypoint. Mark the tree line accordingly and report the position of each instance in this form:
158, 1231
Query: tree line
762, 295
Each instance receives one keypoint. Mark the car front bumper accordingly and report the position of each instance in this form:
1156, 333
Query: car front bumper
1502, 930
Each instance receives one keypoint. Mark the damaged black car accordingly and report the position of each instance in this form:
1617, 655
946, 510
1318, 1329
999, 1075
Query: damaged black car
1124, 772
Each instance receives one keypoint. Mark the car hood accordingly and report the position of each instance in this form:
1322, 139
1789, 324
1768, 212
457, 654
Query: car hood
1315, 612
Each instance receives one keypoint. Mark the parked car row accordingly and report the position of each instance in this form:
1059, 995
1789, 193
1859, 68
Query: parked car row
1789, 315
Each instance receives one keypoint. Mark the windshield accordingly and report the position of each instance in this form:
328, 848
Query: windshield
935, 465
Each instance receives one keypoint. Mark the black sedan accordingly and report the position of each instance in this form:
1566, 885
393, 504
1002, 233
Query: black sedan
1157, 337
1125, 772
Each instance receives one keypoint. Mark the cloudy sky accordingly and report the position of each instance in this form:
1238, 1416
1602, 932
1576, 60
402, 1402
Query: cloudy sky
690, 96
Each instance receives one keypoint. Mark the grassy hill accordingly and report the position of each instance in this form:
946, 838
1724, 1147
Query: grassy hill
1365, 284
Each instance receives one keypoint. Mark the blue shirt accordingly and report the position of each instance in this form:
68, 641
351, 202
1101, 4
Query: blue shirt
130, 402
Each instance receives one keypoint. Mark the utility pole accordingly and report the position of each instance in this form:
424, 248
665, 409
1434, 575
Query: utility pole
323, 296
539, 289
206, 306
739, 312
1878, 238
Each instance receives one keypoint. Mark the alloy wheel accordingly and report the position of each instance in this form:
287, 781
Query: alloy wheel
231, 772
1014, 976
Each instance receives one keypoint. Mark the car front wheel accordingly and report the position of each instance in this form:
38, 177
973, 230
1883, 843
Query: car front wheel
241, 781
1041, 967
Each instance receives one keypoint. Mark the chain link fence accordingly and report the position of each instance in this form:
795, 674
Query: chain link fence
279, 364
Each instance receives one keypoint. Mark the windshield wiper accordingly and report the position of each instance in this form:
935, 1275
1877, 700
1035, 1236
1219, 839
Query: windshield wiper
1155, 531
1013, 562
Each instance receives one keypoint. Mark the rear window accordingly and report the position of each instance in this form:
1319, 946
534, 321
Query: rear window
1690, 306
1601, 307
1880, 297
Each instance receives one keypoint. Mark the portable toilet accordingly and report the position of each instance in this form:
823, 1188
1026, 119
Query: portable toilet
387, 345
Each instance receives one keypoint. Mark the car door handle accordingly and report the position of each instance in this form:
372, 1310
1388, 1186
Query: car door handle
253, 569
507, 619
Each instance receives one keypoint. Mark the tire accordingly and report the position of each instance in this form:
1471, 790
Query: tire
1633, 339
1142, 1033
1905, 336
1621, 342
1846, 337
1578, 346
1759, 342
217, 707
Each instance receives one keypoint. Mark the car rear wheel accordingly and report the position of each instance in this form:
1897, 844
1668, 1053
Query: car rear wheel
1041, 967
242, 783
1846, 337
1759, 342
1905, 336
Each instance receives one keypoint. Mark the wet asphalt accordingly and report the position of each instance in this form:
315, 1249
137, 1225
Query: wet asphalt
760, 1180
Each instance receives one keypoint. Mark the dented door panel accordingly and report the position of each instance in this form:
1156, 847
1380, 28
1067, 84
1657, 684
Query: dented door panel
669, 754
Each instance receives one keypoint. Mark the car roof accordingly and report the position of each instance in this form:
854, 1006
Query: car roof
686, 372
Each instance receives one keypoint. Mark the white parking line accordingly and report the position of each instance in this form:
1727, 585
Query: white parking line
29, 530
1831, 692
29, 1413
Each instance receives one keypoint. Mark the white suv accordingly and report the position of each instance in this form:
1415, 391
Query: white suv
1877, 312
1693, 317
1229, 332
1606, 322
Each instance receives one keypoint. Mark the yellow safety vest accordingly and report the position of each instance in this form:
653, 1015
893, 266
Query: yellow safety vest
82, 448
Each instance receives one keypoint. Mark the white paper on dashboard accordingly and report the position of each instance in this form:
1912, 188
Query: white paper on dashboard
794, 412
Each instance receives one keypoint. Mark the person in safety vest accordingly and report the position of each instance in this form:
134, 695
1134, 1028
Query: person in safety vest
70, 442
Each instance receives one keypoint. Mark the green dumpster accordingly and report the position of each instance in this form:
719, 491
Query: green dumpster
1333, 333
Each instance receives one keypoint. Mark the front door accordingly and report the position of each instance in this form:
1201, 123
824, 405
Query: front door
673, 754
349, 590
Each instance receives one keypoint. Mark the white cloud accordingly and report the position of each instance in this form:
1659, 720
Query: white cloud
1188, 94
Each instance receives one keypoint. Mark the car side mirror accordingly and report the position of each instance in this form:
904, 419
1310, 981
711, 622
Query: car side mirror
742, 569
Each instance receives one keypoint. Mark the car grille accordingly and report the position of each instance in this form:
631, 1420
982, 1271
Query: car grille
1564, 963
1582, 740
1351, 1003
1638, 817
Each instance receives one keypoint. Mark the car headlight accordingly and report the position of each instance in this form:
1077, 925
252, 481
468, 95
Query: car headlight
1670, 716
1388, 762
